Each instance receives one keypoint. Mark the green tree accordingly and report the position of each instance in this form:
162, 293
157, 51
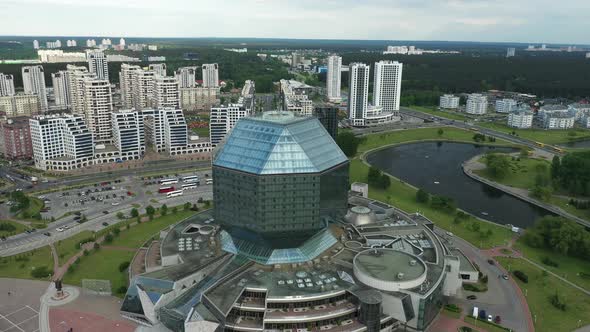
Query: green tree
134, 213
120, 215
348, 143
555, 167
422, 196
150, 211
164, 209
498, 165
187, 206
440, 132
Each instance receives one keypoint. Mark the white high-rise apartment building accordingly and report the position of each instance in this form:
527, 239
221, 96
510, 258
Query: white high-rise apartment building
334, 78
142, 88
358, 93
35, 44
98, 105
90, 43
165, 130
387, 86
75, 77
165, 93
158, 68
510, 52
6, 85
97, 64
477, 104
61, 142
505, 105
210, 75
520, 119
61, 89
128, 133
34, 83
186, 77
223, 119
122, 42
126, 76
449, 102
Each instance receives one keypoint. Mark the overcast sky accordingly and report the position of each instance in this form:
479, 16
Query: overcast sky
548, 21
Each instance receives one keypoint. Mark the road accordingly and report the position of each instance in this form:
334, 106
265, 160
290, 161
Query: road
502, 297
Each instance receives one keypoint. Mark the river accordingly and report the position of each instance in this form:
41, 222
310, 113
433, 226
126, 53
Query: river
436, 167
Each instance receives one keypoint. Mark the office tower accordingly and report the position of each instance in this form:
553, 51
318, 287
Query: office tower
449, 102
358, 93
165, 93
35, 44
61, 89
387, 86
210, 75
126, 77
19, 105
128, 133
75, 75
223, 119
34, 83
61, 142
476, 104
97, 108
187, 77
333, 79
6, 85
328, 116
158, 68
98, 65
15, 139
142, 88
296, 59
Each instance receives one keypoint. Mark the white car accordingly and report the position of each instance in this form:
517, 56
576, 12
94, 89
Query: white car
59, 229
115, 203
490, 318
67, 227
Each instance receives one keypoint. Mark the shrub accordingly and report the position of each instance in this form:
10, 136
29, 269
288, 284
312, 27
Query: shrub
85, 252
453, 307
521, 275
123, 266
556, 302
108, 239
549, 262
96, 245
40, 272
122, 290
116, 231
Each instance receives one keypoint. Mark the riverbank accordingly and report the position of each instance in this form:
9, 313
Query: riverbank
472, 165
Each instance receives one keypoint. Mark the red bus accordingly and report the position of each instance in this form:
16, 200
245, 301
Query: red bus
164, 190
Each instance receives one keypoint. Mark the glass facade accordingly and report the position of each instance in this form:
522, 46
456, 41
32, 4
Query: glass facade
430, 306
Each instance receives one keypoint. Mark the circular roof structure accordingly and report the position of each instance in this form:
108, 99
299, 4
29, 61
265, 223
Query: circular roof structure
360, 215
388, 269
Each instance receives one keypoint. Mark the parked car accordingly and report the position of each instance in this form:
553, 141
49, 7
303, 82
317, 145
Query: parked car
47, 234
472, 297
491, 262
498, 319
490, 318
105, 223
505, 277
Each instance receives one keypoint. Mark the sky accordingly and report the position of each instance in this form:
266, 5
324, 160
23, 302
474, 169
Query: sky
528, 21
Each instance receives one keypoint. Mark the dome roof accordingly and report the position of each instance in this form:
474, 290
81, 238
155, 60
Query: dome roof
279, 143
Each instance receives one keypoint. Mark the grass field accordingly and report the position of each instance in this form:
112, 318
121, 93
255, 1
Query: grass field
35, 207
483, 326
19, 228
404, 196
202, 132
443, 114
538, 289
67, 248
522, 172
20, 266
541, 135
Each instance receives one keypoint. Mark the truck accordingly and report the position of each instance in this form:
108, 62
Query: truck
475, 312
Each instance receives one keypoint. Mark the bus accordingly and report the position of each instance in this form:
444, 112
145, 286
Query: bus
174, 193
165, 190
558, 149
209, 181
168, 181
190, 179
540, 144
189, 186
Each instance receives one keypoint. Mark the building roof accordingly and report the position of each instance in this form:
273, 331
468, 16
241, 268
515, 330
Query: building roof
279, 143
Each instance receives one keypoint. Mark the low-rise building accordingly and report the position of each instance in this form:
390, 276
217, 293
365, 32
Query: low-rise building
449, 101
505, 105
559, 121
19, 105
547, 111
15, 139
477, 104
296, 97
520, 119
198, 98
579, 111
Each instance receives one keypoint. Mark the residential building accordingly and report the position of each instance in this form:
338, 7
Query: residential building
19, 105
90, 43
334, 78
126, 81
34, 83
165, 92
210, 75
477, 104
97, 108
128, 134
328, 116
387, 86
376, 115
98, 64
296, 59
449, 102
59, 56
579, 111
35, 44
295, 97
223, 119
547, 111
158, 68
61, 142
559, 121
15, 139
75, 77
510, 52
61, 90
198, 98
505, 105
585, 121
6, 85
358, 93
521, 118
187, 77
122, 42
142, 88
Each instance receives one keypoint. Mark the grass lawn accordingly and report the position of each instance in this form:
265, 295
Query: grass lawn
404, 196
101, 264
20, 266
541, 135
202, 132
563, 203
401, 136
539, 288
67, 248
522, 172
35, 207
443, 114
483, 326
569, 267
452, 314
139, 234
19, 228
